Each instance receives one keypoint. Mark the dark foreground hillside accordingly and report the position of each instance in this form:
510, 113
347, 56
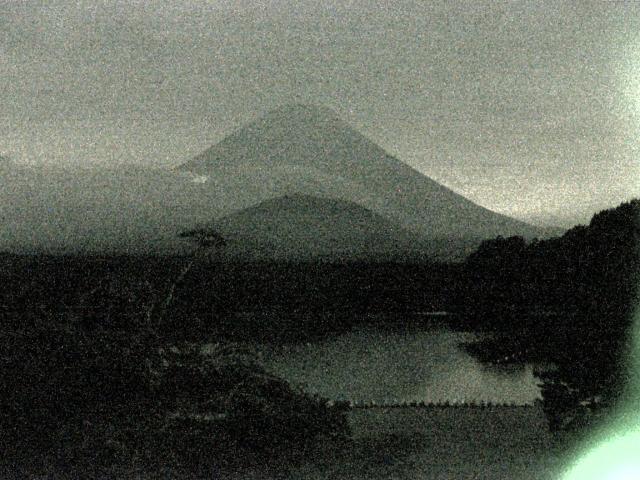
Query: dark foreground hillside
88, 393
446, 443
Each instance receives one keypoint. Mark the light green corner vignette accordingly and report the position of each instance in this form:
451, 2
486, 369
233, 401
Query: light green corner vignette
614, 451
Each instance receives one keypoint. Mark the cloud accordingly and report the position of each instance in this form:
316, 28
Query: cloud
194, 178
438, 86
199, 179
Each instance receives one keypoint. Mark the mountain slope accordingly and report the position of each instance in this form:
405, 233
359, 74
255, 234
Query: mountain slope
293, 149
133, 210
302, 226
307, 149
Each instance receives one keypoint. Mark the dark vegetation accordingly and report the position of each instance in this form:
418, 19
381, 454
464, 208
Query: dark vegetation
235, 301
95, 381
567, 300
101, 365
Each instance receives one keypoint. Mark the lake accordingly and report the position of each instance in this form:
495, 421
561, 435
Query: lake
369, 364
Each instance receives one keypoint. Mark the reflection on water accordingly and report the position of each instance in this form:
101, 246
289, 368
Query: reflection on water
373, 365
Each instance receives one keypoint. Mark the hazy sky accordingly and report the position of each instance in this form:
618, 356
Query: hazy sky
528, 108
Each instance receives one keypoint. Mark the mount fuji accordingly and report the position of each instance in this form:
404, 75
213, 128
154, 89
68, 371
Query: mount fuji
308, 150
297, 182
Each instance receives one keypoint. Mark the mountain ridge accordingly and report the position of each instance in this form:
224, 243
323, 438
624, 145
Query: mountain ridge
299, 226
134, 209
332, 159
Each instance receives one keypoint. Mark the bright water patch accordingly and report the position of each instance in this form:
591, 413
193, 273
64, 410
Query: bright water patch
373, 365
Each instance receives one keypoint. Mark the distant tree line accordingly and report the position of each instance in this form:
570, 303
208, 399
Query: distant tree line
303, 299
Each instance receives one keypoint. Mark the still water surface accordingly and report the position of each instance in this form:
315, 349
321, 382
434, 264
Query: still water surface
368, 364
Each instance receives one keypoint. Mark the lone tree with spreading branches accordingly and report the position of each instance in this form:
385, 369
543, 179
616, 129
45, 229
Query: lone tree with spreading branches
205, 240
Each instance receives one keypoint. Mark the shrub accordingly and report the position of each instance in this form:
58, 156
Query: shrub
223, 402
92, 398
55, 372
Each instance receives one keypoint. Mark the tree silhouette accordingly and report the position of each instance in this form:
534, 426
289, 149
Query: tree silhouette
567, 300
205, 240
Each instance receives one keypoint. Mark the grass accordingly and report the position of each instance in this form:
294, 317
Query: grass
434, 444
455, 443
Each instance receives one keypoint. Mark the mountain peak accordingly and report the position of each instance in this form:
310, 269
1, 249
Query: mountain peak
309, 149
303, 111
295, 135
302, 118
